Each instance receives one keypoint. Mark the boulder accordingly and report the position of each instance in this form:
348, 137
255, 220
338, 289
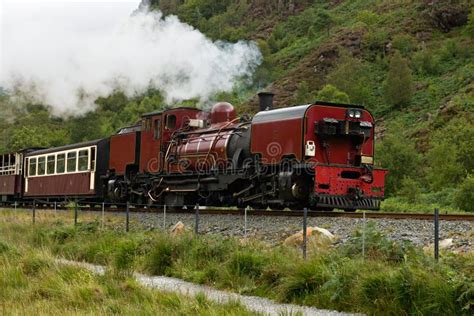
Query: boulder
315, 235
178, 229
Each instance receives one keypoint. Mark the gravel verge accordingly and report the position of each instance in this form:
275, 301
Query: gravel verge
275, 229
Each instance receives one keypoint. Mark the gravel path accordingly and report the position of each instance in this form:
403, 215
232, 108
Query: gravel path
252, 303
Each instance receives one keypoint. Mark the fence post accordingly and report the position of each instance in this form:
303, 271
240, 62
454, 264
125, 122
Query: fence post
196, 226
55, 207
363, 235
15, 206
127, 217
305, 230
34, 211
103, 216
245, 222
436, 234
75, 213
164, 217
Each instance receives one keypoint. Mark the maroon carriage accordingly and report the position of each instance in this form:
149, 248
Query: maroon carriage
11, 176
70, 171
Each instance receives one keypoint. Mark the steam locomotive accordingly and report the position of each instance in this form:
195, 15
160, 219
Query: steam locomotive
318, 155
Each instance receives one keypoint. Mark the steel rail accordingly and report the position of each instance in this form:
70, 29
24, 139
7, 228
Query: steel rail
278, 213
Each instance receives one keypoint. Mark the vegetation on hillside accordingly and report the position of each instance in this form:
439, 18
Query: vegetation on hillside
410, 62
393, 278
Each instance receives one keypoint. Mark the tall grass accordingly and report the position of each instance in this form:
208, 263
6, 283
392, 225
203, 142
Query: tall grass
32, 282
392, 279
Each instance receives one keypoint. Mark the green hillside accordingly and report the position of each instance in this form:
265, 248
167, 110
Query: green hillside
410, 62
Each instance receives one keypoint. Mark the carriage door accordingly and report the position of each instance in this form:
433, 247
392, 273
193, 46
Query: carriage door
151, 158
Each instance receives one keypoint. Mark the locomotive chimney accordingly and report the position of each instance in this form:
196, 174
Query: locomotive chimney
265, 100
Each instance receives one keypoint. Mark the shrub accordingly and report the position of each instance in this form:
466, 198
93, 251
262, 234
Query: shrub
410, 190
399, 155
444, 167
368, 17
404, 43
398, 88
330, 93
464, 196
302, 93
425, 62
375, 40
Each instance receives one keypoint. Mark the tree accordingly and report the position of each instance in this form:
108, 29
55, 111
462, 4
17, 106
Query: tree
444, 169
27, 137
398, 88
464, 196
399, 156
351, 77
330, 93
302, 94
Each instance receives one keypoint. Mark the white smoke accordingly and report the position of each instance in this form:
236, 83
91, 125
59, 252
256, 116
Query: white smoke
65, 55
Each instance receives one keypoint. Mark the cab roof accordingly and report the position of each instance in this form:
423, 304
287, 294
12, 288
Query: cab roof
167, 110
293, 112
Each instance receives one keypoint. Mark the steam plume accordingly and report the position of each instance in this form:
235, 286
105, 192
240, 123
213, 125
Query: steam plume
66, 56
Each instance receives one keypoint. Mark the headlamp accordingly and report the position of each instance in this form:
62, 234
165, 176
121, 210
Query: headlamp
353, 113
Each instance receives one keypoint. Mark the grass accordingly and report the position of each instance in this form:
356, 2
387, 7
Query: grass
392, 279
32, 282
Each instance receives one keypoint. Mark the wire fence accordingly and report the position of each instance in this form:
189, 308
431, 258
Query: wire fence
158, 217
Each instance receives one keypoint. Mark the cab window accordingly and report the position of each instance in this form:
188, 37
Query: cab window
156, 129
170, 121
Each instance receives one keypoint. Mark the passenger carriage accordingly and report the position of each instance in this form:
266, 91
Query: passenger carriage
70, 171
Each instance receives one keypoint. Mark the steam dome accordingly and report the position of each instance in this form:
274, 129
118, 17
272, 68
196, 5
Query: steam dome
222, 112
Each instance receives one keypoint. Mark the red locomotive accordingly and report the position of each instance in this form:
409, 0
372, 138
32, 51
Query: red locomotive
317, 155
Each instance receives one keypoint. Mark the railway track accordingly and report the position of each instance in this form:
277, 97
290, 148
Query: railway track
279, 213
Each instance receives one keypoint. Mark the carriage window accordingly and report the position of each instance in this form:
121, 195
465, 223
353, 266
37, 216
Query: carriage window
83, 160
71, 162
171, 121
61, 163
32, 167
156, 129
50, 164
41, 166
92, 167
